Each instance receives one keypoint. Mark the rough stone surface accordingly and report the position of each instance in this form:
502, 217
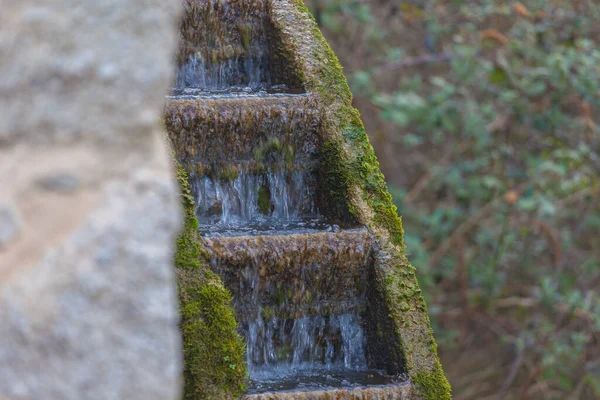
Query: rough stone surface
399, 392
222, 131
9, 223
87, 298
293, 274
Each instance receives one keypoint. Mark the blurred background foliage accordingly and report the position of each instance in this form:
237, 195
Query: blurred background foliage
484, 117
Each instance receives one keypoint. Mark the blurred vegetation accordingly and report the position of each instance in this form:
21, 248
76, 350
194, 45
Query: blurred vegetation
483, 115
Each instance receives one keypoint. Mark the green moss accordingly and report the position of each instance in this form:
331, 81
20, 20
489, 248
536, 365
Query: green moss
267, 313
433, 385
353, 161
408, 310
214, 365
245, 30
288, 156
264, 200
331, 82
188, 251
336, 173
268, 151
274, 152
230, 173
213, 351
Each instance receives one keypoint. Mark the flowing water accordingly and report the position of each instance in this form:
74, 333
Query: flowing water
224, 46
300, 300
202, 73
309, 353
249, 140
271, 201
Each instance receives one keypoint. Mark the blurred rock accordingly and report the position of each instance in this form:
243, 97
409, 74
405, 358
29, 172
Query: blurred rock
9, 223
87, 297
59, 182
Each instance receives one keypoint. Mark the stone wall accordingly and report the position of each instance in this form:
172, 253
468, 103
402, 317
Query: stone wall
88, 205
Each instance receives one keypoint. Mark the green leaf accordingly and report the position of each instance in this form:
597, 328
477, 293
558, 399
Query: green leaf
498, 76
412, 140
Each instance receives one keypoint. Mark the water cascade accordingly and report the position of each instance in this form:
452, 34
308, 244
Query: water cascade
301, 274
228, 45
252, 158
299, 298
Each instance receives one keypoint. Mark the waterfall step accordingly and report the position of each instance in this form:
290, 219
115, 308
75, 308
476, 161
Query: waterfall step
301, 302
230, 45
293, 275
252, 204
260, 118
189, 93
399, 391
212, 133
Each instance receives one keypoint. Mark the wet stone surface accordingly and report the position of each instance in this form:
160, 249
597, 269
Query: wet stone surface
399, 390
250, 140
270, 227
191, 93
323, 379
228, 43
300, 300
223, 44
293, 275
211, 133
252, 202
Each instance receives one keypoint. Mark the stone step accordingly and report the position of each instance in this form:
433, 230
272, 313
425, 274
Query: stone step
293, 275
228, 170
223, 45
392, 392
210, 134
300, 298
314, 304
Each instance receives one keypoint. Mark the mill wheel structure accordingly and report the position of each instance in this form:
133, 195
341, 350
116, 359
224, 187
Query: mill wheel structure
292, 275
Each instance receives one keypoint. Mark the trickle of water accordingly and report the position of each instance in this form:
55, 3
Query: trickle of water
305, 345
248, 73
273, 198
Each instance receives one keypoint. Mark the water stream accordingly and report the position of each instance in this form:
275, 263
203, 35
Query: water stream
249, 139
300, 300
252, 203
224, 46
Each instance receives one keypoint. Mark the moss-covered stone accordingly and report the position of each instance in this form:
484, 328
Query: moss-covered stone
223, 32
230, 173
357, 187
213, 350
379, 393
211, 133
188, 252
264, 200
396, 282
293, 274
